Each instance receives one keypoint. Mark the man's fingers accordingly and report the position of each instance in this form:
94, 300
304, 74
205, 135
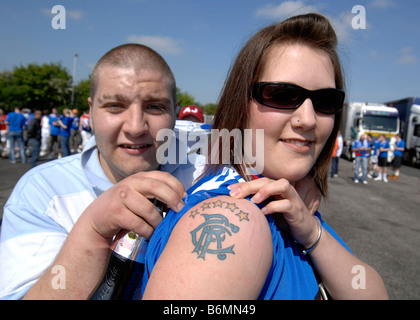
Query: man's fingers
165, 177
140, 210
166, 192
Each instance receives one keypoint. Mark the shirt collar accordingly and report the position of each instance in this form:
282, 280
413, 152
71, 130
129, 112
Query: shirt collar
93, 169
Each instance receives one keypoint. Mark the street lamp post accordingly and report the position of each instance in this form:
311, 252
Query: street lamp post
73, 79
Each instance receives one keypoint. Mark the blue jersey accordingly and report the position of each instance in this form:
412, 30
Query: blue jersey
384, 154
54, 129
67, 121
362, 153
399, 144
16, 121
291, 275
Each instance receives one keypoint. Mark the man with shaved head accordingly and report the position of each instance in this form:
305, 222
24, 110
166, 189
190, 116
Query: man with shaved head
59, 221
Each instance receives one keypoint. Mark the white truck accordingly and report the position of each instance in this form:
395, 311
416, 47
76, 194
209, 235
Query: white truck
368, 118
409, 113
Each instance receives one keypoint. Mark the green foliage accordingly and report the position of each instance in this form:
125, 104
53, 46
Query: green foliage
81, 94
210, 108
184, 98
35, 86
49, 85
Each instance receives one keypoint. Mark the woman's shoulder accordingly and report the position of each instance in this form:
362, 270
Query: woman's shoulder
217, 242
226, 220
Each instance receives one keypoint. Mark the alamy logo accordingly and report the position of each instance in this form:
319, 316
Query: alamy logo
359, 20
59, 20
245, 147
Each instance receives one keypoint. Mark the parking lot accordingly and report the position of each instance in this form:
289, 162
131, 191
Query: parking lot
381, 224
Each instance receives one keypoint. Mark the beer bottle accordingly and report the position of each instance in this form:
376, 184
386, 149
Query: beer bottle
126, 266
126, 262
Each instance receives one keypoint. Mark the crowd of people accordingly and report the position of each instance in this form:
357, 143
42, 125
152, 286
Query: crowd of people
42, 133
372, 158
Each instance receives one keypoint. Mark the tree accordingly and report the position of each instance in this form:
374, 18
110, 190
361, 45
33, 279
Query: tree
35, 86
49, 85
184, 98
81, 94
209, 108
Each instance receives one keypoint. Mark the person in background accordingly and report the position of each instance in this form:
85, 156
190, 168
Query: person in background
372, 160
75, 138
362, 149
45, 132
338, 149
34, 137
54, 144
65, 123
16, 123
191, 113
383, 149
398, 153
3, 133
85, 129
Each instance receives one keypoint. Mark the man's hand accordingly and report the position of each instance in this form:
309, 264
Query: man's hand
128, 205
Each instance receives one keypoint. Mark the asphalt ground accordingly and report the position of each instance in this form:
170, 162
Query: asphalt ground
379, 221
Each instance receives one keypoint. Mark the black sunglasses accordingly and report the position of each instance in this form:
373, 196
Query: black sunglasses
281, 95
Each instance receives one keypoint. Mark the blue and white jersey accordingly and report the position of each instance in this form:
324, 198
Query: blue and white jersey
43, 208
291, 275
359, 144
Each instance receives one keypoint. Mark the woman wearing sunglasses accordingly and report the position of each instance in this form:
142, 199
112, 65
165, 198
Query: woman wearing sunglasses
256, 239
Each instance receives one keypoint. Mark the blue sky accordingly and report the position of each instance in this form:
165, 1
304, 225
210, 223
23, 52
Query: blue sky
200, 38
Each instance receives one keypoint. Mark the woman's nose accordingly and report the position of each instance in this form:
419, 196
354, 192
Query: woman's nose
305, 115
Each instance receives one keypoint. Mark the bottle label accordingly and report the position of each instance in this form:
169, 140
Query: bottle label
129, 245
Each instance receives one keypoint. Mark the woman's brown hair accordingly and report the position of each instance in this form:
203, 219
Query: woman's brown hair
233, 111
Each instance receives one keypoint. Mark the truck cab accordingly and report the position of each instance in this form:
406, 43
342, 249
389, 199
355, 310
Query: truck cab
409, 114
368, 118
412, 156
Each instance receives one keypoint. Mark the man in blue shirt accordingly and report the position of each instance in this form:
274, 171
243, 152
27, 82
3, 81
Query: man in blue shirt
54, 133
362, 149
398, 153
75, 138
16, 122
65, 124
383, 158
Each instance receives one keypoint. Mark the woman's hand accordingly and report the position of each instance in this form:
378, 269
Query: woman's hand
283, 198
332, 261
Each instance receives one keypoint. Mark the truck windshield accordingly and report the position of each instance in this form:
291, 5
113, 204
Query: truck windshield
380, 123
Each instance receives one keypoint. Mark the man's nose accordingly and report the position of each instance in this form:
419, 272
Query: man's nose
135, 123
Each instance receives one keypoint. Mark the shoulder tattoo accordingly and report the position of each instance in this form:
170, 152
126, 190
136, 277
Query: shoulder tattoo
209, 237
